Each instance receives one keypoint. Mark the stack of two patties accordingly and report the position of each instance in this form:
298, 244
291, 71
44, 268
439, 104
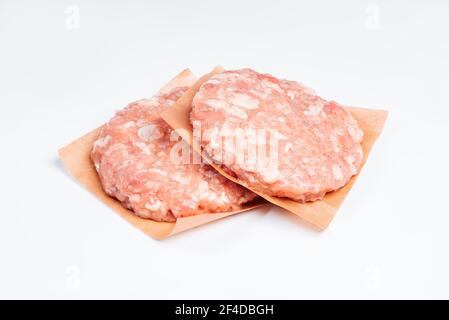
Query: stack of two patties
317, 147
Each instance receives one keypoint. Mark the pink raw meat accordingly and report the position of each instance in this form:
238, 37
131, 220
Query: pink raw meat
132, 158
318, 145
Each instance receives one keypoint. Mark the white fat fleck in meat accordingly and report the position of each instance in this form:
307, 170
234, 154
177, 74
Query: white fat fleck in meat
141, 123
335, 141
355, 133
231, 88
350, 160
271, 85
151, 102
128, 125
299, 178
244, 101
313, 110
212, 196
281, 106
224, 197
117, 147
307, 160
160, 172
126, 163
248, 164
216, 104
288, 146
231, 77
291, 95
210, 134
135, 198
143, 147
102, 142
360, 153
97, 166
229, 148
250, 178
149, 132
260, 94
215, 142
226, 131
179, 178
203, 187
189, 204
318, 132
278, 135
235, 111
271, 175
153, 204
213, 81
336, 171
110, 191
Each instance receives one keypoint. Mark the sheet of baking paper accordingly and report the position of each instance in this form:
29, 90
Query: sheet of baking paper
76, 159
318, 213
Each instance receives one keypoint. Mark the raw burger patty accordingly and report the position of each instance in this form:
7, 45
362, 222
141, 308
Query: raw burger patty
132, 158
318, 147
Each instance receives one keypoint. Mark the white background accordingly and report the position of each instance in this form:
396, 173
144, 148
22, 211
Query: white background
65, 67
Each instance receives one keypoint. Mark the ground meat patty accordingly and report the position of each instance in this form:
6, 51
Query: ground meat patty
132, 158
309, 146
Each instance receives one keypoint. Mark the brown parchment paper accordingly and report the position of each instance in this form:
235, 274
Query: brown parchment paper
318, 213
76, 159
